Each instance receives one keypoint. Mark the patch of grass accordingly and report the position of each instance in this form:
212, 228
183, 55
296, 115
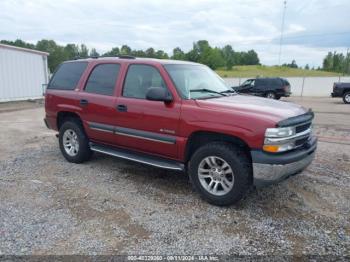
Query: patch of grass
271, 71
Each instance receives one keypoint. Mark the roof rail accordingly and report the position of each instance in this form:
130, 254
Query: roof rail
126, 57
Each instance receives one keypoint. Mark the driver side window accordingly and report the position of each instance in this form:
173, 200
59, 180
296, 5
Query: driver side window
249, 82
139, 79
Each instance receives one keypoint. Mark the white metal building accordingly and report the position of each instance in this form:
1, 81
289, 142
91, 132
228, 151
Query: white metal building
23, 72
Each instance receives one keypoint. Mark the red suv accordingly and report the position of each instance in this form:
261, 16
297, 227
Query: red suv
181, 116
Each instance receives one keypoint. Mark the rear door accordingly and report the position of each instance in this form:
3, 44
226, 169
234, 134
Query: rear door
258, 87
144, 125
98, 101
62, 91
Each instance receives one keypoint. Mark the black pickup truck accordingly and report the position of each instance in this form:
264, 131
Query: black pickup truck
342, 90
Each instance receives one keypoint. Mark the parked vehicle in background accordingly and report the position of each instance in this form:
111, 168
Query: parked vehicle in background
342, 90
181, 116
273, 88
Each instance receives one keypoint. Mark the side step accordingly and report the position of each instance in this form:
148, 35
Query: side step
138, 157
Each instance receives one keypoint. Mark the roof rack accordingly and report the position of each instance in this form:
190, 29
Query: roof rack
126, 57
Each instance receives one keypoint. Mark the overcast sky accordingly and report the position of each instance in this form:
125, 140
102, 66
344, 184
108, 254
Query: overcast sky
312, 27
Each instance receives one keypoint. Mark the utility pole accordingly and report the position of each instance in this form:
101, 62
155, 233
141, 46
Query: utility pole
347, 58
282, 28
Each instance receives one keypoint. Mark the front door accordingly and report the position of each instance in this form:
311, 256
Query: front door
144, 125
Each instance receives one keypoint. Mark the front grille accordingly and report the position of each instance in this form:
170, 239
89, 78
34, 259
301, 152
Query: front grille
302, 128
301, 141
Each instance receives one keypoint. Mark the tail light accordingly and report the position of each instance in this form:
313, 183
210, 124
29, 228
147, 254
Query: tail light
286, 88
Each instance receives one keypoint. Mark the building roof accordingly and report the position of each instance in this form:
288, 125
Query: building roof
24, 49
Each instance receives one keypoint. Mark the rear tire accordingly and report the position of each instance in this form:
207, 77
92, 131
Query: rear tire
346, 98
73, 141
220, 172
270, 95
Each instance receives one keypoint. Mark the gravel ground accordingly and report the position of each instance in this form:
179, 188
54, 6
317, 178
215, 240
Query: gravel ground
111, 206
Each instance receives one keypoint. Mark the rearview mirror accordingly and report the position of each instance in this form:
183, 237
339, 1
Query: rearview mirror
159, 94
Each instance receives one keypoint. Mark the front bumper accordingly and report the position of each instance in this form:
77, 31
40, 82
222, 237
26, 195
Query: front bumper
271, 168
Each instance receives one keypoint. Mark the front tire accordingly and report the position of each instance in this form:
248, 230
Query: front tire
220, 172
346, 98
73, 142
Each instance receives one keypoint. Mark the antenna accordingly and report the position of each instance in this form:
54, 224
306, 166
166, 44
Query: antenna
282, 28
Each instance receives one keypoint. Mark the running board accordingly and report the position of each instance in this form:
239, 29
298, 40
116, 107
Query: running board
137, 157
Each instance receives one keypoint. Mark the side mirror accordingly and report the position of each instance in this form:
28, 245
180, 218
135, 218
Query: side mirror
159, 94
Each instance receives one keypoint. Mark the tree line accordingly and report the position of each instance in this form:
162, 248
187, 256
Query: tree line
337, 62
201, 52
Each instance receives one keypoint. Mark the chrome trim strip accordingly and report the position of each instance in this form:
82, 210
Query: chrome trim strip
135, 133
142, 137
134, 159
102, 130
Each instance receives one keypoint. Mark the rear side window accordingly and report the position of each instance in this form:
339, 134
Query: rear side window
102, 79
258, 82
276, 82
67, 76
272, 82
139, 79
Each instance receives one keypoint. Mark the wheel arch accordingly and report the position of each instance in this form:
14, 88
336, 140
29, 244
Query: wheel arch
346, 90
63, 115
199, 138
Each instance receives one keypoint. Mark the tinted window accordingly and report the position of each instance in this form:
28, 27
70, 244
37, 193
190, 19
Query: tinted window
269, 82
275, 82
67, 76
102, 79
259, 82
139, 78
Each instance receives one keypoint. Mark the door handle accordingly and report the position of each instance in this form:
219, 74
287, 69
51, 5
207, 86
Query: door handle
122, 108
83, 102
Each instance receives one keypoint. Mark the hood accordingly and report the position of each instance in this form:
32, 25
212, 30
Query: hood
272, 110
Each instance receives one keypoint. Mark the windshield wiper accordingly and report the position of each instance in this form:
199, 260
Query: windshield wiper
229, 91
207, 90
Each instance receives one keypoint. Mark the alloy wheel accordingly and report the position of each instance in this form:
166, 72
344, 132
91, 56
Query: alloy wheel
215, 175
70, 142
347, 98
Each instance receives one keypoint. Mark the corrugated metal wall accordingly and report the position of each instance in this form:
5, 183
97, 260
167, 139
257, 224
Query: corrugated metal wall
22, 74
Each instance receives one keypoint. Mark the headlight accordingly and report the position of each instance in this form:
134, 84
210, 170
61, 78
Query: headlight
277, 139
280, 132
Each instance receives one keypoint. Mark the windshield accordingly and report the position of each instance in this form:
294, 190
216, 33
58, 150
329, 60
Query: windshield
196, 81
